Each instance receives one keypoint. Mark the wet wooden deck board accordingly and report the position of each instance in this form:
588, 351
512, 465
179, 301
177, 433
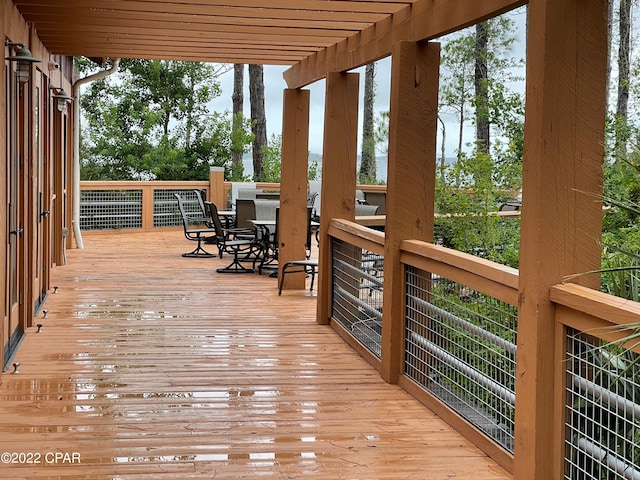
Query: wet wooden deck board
150, 365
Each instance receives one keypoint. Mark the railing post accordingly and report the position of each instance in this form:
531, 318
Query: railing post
410, 180
147, 207
217, 193
561, 212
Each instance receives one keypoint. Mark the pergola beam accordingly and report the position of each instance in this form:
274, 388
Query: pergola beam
424, 20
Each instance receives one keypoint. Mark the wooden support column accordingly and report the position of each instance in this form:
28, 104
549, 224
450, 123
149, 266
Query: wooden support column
410, 180
339, 155
292, 228
3, 191
561, 213
217, 193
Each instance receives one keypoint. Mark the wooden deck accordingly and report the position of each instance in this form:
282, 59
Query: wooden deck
153, 365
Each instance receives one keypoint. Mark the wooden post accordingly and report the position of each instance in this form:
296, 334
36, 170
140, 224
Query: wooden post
217, 193
410, 180
561, 212
292, 228
147, 207
339, 155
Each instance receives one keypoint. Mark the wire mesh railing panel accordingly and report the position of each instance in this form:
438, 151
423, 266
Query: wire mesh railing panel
110, 209
460, 345
602, 410
165, 207
358, 277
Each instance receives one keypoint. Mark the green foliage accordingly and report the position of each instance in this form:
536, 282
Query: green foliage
503, 109
314, 170
153, 123
272, 161
466, 193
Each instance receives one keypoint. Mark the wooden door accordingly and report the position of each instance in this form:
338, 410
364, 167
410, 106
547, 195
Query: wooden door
13, 328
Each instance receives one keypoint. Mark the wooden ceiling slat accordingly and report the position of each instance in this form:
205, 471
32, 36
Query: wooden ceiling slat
187, 42
293, 51
192, 31
281, 32
71, 8
307, 5
132, 18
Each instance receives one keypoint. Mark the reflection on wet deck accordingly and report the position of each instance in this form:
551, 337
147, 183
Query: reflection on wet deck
154, 365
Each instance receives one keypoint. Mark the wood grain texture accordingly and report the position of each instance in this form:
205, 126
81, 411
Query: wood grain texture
292, 230
339, 157
150, 365
411, 180
561, 219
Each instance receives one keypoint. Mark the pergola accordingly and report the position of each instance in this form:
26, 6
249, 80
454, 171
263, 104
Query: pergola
324, 39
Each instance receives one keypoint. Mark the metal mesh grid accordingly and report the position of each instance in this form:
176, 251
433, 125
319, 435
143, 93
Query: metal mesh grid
358, 277
602, 423
165, 207
110, 209
460, 345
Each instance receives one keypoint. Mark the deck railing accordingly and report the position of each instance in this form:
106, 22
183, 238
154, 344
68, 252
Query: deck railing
135, 205
460, 336
358, 280
599, 401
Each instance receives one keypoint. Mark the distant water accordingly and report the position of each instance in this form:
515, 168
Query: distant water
381, 164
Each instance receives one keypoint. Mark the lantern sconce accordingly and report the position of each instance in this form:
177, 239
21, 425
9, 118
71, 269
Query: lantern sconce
62, 99
22, 56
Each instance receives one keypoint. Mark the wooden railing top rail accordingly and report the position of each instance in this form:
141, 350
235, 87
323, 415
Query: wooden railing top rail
134, 184
596, 313
490, 278
358, 235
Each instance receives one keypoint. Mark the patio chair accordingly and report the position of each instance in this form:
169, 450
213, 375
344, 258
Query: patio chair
238, 242
309, 265
365, 210
195, 230
201, 195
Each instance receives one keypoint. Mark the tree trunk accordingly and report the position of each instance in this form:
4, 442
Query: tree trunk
259, 127
443, 145
368, 158
481, 90
238, 101
609, 38
624, 50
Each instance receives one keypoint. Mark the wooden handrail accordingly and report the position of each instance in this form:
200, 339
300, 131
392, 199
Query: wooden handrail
596, 313
490, 278
357, 235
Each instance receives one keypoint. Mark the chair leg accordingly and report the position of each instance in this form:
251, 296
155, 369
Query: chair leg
307, 270
236, 266
199, 252
313, 277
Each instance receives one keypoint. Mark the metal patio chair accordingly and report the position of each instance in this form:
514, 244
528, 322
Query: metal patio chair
195, 229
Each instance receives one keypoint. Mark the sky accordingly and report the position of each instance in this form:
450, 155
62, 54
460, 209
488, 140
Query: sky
275, 85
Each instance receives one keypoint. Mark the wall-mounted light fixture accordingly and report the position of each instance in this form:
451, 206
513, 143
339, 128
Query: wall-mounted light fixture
61, 97
22, 56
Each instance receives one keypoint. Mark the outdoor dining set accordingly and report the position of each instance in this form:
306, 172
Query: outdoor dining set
248, 232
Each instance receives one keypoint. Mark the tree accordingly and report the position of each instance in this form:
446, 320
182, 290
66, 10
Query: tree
368, 172
481, 85
154, 123
476, 67
624, 61
258, 119
237, 167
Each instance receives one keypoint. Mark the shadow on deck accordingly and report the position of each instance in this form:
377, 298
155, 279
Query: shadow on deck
153, 365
